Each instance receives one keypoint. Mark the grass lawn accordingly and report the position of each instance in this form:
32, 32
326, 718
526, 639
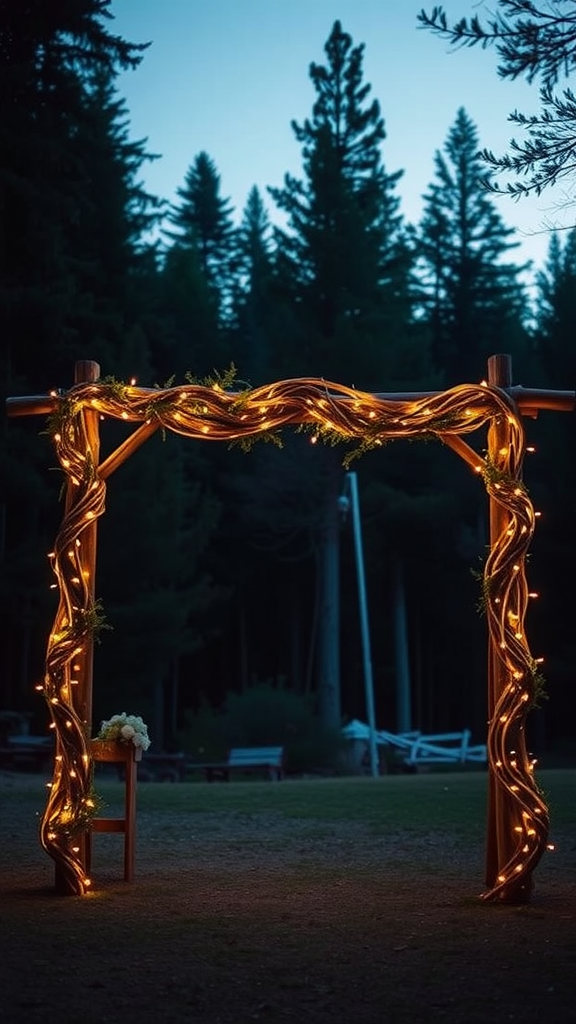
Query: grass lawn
425, 801
314, 900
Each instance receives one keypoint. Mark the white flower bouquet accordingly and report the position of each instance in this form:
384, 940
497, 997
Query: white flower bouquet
126, 729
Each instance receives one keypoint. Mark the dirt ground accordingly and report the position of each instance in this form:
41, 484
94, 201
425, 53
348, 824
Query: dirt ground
234, 920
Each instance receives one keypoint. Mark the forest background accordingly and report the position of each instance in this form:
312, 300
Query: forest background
220, 571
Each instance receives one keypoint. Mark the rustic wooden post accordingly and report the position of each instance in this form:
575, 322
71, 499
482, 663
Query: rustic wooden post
500, 838
85, 371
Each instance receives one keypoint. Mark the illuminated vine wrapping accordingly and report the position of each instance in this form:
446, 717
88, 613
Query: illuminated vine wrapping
70, 804
331, 413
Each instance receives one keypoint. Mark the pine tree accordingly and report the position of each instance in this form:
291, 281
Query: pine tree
343, 270
554, 342
111, 258
46, 55
556, 310
52, 277
342, 254
203, 224
254, 298
551, 477
187, 339
472, 299
536, 42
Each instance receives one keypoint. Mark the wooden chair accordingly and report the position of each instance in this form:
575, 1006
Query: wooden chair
118, 753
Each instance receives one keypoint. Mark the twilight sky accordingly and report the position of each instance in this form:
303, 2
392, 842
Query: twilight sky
228, 76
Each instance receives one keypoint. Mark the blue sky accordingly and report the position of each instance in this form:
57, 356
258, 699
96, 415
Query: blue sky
228, 76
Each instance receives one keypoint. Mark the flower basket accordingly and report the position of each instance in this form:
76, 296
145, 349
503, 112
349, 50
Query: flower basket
121, 738
114, 750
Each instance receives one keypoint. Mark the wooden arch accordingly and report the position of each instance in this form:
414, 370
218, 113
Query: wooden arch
518, 820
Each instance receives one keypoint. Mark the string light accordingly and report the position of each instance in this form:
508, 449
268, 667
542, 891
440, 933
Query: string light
330, 412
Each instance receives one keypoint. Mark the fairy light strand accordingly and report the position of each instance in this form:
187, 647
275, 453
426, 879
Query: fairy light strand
333, 412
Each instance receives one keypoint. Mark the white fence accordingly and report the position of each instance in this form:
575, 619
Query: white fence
417, 749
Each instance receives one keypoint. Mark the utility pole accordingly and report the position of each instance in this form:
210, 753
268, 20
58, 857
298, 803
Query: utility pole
349, 500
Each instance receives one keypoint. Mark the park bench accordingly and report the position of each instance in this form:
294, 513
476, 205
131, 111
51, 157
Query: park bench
269, 760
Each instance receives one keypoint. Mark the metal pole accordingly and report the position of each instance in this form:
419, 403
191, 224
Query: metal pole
365, 632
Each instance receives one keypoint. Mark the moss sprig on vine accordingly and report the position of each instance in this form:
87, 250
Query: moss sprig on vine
117, 388
69, 826
486, 586
492, 475
246, 444
222, 381
95, 621
60, 417
539, 693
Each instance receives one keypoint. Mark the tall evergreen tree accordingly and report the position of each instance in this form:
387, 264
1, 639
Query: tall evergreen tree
551, 477
188, 339
472, 299
50, 57
46, 54
556, 311
343, 249
203, 223
343, 267
254, 300
112, 261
